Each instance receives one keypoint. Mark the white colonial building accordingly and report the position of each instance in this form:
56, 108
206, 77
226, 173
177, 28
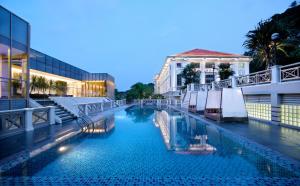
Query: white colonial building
168, 82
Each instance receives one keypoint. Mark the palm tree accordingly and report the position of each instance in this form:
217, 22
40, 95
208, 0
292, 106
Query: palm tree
33, 83
42, 84
190, 74
51, 85
260, 45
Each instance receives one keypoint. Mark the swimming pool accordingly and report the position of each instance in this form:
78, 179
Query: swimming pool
154, 146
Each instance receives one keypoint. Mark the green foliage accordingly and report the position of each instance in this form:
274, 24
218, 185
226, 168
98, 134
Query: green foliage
285, 50
190, 74
120, 94
225, 71
157, 96
61, 87
42, 83
140, 91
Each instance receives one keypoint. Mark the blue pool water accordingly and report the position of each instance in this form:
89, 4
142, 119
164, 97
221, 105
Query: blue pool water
151, 143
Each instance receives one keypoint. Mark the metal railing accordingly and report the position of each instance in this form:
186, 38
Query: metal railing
97, 107
12, 120
226, 83
260, 77
290, 72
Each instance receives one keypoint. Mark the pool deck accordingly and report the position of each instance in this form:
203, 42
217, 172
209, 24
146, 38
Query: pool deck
284, 140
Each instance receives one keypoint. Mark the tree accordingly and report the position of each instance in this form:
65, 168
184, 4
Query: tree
293, 4
61, 87
34, 83
140, 91
42, 84
51, 85
225, 71
285, 50
190, 74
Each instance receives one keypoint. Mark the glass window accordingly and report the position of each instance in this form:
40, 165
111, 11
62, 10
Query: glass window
179, 80
197, 65
19, 62
4, 22
178, 65
4, 70
209, 65
19, 30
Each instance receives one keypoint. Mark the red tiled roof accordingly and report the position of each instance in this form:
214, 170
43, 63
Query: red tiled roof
202, 52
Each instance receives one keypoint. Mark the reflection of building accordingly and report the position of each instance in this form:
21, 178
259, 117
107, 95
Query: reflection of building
181, 133
169, 81
18, 62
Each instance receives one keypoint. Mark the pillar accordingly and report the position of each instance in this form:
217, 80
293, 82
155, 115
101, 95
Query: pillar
202, 77
233, 81
51, 115
28, 119
275, 72
275, 97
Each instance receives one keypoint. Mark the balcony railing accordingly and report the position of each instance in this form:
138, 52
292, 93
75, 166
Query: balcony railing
226, 83
25, 119
290, 72
260, 77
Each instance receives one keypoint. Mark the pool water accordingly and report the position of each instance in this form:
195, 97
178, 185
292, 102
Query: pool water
151, 143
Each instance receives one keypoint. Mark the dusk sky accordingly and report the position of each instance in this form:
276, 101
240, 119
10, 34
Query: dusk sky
131, 38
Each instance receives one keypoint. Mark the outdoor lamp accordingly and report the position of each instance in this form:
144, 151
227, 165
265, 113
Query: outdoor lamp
275, 38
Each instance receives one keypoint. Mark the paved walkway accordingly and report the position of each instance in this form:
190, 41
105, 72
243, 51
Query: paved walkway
280, 139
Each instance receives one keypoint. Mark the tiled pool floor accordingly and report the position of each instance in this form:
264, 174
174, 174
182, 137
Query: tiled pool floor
135, 153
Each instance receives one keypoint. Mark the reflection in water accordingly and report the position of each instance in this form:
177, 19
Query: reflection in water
103, 126
139, 114
182, 133
186, 135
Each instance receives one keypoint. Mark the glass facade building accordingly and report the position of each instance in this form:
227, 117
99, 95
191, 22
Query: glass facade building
79, 82
14, 54
19, 64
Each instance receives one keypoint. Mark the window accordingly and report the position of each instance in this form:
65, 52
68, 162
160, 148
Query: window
209, 65
178, 65
4, 23
197, 65
209, 78
179, 80
19, 30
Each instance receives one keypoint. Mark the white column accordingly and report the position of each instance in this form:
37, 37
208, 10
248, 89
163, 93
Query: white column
246, 68
202, 77
28, 119
275, 74
233, 81
173, 76
51, 115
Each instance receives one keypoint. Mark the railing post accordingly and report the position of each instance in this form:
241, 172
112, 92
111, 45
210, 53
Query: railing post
102, 106
192, 88
28, 119
86, 111
51, 115
233, 81
275, 74
213, 86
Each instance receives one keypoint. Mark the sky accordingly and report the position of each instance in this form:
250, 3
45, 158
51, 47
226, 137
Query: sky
130, 39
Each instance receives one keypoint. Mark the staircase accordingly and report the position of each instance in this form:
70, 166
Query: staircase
61, 112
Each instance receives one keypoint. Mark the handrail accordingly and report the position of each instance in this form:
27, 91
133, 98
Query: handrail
293, 64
